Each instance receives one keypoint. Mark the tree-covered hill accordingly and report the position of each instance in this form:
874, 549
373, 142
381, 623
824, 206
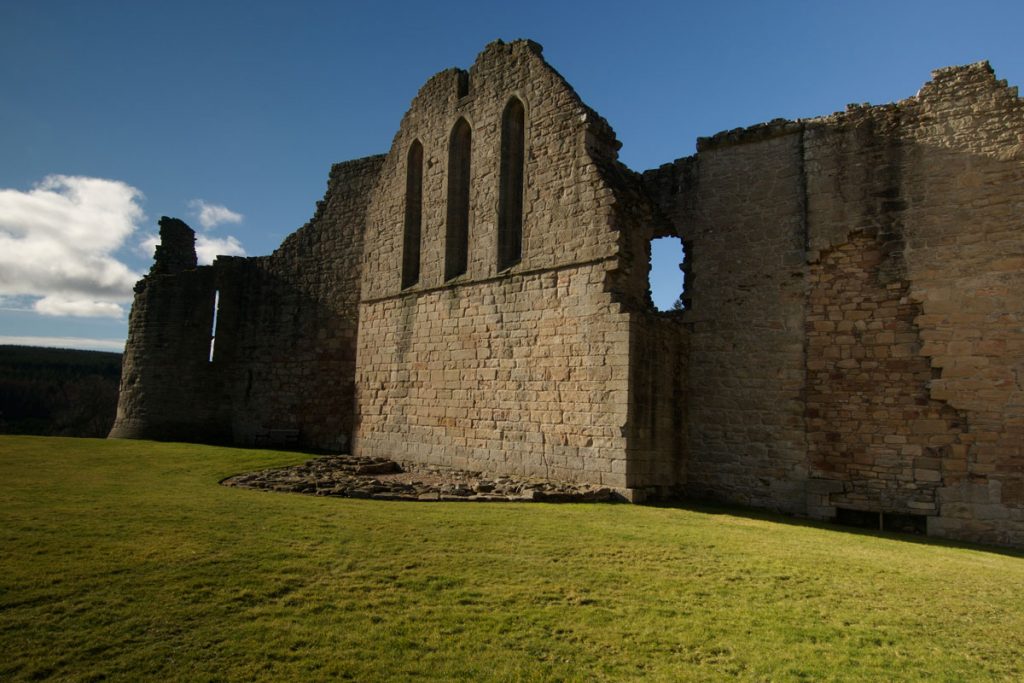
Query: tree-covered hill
57, 392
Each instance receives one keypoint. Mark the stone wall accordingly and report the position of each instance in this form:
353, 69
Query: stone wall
855, 309
168, 388
657, 424
934, 184
524, 370
739, 208
873, 431
852, 343
281, 370
288, 322
528, 375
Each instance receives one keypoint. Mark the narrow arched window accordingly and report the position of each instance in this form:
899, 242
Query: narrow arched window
413, 215
456, 253
510, 191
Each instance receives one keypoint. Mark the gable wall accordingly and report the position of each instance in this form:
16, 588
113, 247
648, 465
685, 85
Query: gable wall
521, 371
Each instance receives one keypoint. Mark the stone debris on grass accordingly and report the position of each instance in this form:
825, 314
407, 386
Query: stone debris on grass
349, 476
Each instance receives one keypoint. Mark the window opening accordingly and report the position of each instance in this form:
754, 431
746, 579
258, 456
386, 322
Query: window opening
457, 237
862, 519
899, 522
904, 523
213, 326
666, 278
510, 193
413, 215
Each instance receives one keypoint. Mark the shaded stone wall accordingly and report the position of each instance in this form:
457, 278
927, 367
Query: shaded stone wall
876, 439
283, 363
966, 262
739, 207
288, 323
658, 404
168, 388
937, 181
869, 262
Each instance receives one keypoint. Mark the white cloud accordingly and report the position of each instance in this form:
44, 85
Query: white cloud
147, 245
212, 215
58, 239
209, 248
66, 342
209, 217
83, 308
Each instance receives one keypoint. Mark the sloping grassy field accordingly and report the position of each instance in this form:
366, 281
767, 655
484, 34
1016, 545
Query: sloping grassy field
125, 560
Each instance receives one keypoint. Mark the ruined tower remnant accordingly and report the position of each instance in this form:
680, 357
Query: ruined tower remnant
177, 249
477, 297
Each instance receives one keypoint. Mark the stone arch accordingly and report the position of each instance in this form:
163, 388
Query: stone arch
510, 188
413, 215
459, 173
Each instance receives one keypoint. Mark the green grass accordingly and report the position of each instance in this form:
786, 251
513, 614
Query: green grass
125, 560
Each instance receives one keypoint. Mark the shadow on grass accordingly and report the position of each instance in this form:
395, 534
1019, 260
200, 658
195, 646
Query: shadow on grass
713, 508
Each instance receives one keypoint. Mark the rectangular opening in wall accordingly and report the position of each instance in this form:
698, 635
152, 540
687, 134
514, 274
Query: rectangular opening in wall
667, 274
862, 519
213, 327
904, 523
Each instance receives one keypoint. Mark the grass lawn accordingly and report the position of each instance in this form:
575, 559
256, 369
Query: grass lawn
126, 560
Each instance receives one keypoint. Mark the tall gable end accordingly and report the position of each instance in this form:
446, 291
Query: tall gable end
508, 352
561, 222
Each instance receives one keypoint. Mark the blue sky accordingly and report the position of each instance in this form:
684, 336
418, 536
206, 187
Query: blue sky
229, 114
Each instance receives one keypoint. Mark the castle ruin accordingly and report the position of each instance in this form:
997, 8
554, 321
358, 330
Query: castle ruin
852, 344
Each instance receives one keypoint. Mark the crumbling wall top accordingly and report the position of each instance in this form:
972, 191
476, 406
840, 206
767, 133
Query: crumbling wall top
964, 79
177, 249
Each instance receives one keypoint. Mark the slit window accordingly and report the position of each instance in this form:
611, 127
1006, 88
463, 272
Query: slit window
413, 215
510, 192
457, 234
213, 325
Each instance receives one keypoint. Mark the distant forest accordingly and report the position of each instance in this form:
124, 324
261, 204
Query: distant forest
57, 392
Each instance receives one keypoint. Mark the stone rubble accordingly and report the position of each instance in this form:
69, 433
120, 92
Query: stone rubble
348, 476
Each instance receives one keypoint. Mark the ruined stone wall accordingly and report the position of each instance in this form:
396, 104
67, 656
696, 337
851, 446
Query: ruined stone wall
524, 370
287, 328
965, 247
655, 426
876, 440
852, 342
935, 183
739, 207
168, 388
871, 262
282, 367
658, 403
